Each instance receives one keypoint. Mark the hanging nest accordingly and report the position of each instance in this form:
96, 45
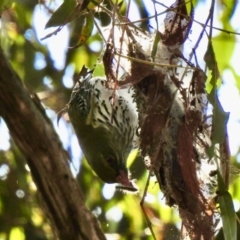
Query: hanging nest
175, 129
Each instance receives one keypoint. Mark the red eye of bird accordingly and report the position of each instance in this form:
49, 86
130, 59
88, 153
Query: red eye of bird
110, 160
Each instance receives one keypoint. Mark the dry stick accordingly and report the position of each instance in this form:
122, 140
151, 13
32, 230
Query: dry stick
128, 57
155, 10
151, 63
113, 22
193, 53
111, 36
203, 25
144, 19
142, 205
172, 9
237, 218
121, 41
211, 20
112, 14
100, 32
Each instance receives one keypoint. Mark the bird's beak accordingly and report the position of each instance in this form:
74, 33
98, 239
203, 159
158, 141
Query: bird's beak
123, 179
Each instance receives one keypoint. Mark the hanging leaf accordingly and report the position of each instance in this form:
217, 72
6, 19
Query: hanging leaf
155, 44
64, 14
224, 54
219, 121
69, 10
85, 32
93, 4
211, 62
220, 117
227, 211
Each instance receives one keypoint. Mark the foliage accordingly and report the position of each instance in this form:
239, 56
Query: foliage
37, 63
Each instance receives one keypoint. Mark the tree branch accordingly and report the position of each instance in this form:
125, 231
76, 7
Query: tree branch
35, 136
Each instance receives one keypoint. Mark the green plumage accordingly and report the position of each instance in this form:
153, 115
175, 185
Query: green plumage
105, 123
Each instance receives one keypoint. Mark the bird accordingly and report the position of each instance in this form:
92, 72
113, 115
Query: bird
105, 122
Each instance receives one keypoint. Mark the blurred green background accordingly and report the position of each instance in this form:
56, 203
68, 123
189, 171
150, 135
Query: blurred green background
48, 67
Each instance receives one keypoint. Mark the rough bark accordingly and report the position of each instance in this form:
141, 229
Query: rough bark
34, 134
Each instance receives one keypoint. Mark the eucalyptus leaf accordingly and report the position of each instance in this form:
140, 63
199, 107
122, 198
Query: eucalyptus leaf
227, 211
211, 62
85, 31
155, 44
220, 117
219, 121
64, 14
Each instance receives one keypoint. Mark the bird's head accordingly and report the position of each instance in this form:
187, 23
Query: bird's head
107, 157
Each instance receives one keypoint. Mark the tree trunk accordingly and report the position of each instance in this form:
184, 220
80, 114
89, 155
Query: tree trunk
34, 134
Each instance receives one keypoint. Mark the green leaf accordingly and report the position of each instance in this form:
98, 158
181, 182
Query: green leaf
227, 211
211, 62
228, 11
155, 44
224, 45
93, 4
64, 14
220, 117
69, 10
228, 216
86, 31
219, 121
